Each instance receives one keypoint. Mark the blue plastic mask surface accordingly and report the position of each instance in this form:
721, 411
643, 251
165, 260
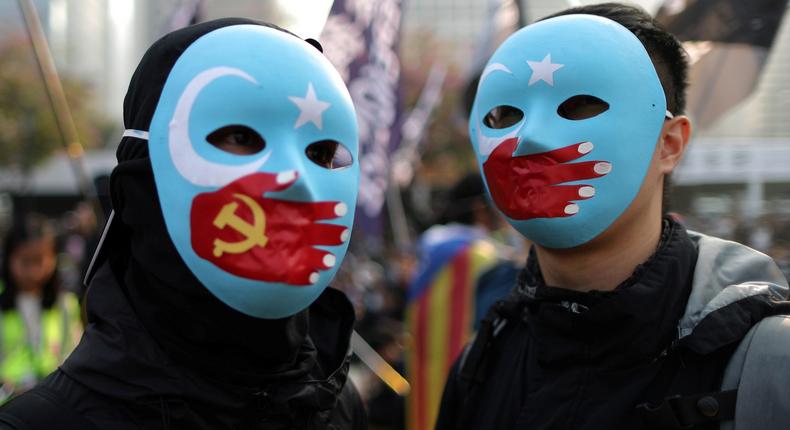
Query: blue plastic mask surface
265, 232
564, 125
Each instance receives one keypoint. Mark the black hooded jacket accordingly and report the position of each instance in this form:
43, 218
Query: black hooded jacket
159, 350
120, 378
550, 358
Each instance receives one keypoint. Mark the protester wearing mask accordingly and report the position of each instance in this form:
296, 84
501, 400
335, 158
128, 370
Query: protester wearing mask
621, 318
233, 201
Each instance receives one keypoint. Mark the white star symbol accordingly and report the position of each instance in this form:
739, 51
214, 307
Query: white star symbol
543, 70
310, 108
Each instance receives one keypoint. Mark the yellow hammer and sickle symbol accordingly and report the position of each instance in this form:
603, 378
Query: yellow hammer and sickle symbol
254, 234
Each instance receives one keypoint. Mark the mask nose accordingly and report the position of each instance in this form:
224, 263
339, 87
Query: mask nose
293, 165
537, 136
532, 145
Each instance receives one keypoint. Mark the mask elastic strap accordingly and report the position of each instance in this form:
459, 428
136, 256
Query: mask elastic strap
139, 134
667, 115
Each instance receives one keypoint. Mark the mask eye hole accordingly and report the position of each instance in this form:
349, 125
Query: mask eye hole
582, 107
237, 139
503, 116
329, 154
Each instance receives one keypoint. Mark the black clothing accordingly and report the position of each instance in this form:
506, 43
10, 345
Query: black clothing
182, 315
149, 78
120, 378
571, 360
161, 351
184, 318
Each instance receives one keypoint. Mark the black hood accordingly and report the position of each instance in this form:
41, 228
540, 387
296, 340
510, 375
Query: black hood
121, 359
149, 79
183, 318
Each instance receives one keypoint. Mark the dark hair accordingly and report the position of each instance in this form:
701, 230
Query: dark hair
668, 56
26, 228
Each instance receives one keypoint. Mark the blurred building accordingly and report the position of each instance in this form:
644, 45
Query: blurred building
766, 114
289, 14
51, 188
742, 160
11, 19
455, 25
96, 41
452, 27
100, 42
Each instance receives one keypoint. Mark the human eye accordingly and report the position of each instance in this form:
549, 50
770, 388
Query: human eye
237, 139
582, 106
503, 116
329, 154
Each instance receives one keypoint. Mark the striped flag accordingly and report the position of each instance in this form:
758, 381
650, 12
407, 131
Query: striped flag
441, 313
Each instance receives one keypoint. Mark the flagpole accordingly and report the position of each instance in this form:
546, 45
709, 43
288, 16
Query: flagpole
406, 158
60, 107
378, 365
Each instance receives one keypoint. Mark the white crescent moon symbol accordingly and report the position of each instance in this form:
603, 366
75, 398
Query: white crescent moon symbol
189, 164
486, 145
493, 68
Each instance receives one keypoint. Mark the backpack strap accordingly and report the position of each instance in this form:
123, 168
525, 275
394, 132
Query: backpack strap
753, 390
686, 412
472, 365
474, 362
760, 369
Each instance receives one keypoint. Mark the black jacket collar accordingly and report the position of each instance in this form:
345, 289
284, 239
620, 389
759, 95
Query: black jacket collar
633, 323
118, 358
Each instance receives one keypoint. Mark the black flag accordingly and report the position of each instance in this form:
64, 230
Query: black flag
728, 42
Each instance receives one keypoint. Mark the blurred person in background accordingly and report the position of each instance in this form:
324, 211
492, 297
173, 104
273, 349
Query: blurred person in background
457, 276
208, 303
621, 319
39, 320
468, 206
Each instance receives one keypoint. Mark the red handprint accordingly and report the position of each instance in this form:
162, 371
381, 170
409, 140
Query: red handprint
525, 186
244, 233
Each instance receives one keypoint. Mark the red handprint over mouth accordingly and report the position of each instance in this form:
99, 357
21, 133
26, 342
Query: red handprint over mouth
244, 233
526, 186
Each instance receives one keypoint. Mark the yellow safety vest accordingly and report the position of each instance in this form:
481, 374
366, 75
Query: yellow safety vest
61, 329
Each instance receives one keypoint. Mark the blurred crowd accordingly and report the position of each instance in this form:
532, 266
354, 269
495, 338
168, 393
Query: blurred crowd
769, 234
44, 260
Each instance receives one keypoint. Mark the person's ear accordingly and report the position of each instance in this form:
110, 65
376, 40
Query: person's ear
675, 135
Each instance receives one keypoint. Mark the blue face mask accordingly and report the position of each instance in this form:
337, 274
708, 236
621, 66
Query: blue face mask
564, 125
264, 232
